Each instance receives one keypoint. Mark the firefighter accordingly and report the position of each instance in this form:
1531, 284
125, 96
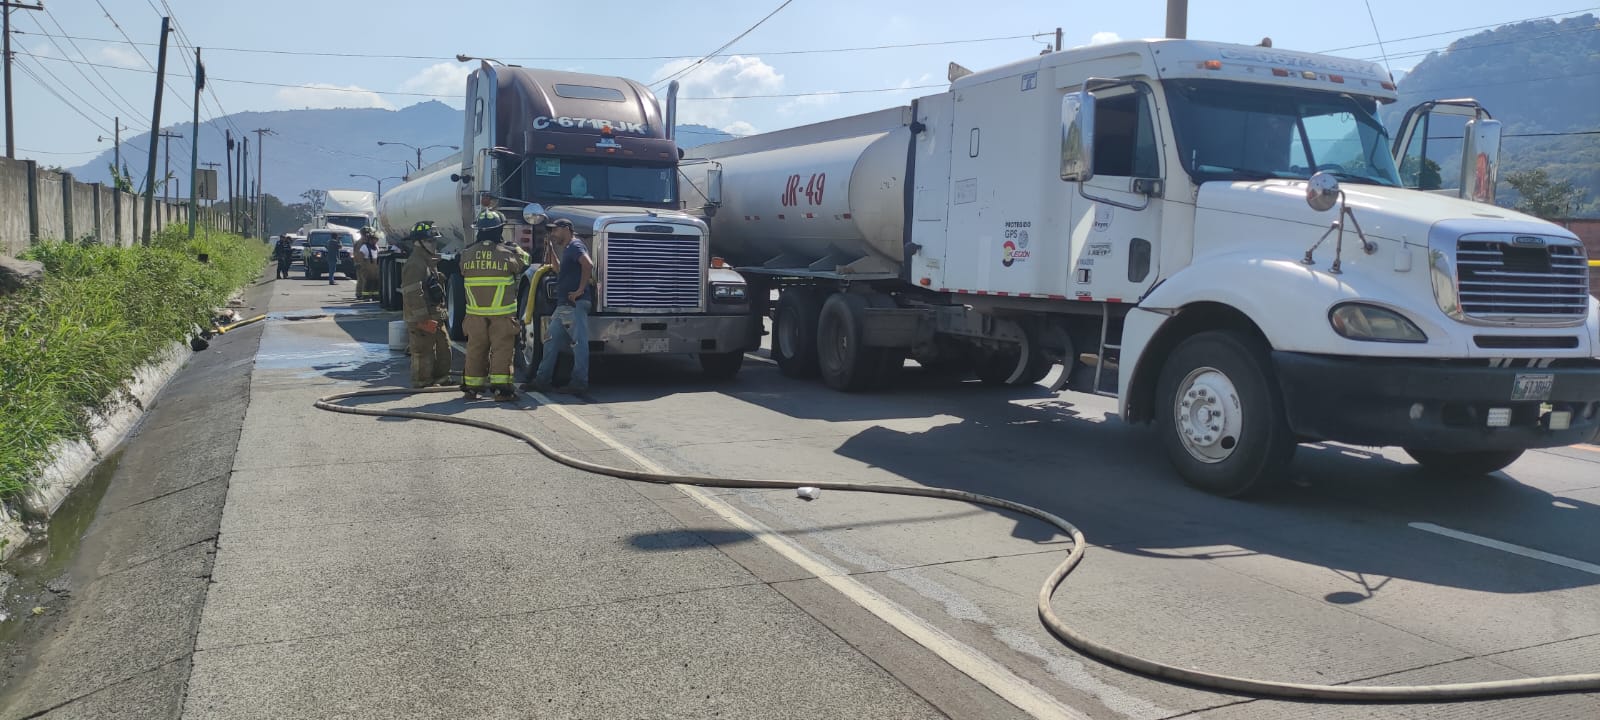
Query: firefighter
490, 269
422, 292
366, 252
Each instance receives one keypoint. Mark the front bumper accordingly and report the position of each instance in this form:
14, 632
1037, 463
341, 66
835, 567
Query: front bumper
1432, 405
665, 334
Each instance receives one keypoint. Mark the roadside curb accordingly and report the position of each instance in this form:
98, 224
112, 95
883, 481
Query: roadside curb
75, 459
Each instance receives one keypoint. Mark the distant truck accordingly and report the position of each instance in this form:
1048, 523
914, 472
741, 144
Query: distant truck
353, 209
1222, 237
595, 150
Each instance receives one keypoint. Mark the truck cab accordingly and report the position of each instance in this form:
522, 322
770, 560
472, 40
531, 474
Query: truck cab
540, 145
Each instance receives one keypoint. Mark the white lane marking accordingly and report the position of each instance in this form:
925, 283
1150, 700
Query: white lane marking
1553, 559
982, 668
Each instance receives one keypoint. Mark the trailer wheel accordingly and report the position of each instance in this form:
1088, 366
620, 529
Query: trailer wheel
1221, 417
794, 332
1024, 366
721, 366
389, 283
1452, 465
846, 363
456, 307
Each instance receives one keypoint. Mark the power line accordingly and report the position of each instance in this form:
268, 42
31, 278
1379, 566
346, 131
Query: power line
684, 72
58, 152
48, 88
383, 56
820, 92
58, 83
1379, 36
1522, 81
124, 33
1457, 47
123, 108
1467, 29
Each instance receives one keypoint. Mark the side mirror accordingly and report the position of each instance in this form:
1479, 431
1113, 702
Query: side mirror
534, 214
1077, 136
714, 186
1480, 159
1322, 191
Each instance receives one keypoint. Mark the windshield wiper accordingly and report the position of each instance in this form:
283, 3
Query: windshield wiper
619, 196
1359, 179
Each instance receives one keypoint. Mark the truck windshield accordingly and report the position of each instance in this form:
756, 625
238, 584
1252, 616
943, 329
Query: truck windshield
561, 178
1239, 131
354, 222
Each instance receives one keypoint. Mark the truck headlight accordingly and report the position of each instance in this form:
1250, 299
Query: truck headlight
1360, 321
728, 293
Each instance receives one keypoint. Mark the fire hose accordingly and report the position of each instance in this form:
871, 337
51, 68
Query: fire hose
1588, 682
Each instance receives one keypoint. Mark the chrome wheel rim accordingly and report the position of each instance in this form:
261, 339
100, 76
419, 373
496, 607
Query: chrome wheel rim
1208, 415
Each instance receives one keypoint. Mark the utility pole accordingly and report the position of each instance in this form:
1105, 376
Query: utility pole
194, 147
155, 127
1058, 39
244, 186
228, 156
5, 9
261, 150
116, 140
1178, 19
166, 180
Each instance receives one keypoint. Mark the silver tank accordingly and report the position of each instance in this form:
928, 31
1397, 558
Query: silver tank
828, 195
433, 197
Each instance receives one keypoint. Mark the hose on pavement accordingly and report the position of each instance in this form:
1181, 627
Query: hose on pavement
1589, 682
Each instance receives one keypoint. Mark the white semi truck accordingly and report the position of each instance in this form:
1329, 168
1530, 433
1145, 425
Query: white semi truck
1219, 235
595, 150
353, 209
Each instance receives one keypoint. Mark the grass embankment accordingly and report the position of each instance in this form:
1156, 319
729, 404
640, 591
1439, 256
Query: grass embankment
69, 343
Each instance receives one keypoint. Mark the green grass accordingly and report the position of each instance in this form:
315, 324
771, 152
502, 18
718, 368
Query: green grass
70, 343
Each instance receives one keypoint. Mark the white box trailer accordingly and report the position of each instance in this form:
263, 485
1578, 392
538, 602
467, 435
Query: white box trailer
1219, 235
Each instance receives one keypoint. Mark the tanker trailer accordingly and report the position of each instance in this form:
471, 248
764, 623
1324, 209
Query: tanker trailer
1220, 237
541, 145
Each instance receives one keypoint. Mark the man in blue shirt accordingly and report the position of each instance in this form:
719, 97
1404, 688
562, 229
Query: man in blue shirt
570, 324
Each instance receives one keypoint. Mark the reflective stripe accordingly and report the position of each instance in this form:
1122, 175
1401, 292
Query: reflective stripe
498, 306
500, 379
475, 381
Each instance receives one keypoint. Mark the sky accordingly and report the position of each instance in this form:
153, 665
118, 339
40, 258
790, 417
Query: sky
643, 40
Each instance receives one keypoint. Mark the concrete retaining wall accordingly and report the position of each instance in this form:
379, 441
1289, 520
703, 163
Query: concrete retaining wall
37, 205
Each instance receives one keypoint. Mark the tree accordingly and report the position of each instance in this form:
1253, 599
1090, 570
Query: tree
1540, 197
121, 179
281, 218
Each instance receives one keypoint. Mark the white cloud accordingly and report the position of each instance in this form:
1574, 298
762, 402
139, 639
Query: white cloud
739, 127
1103, 37
719, 77
328, 95
446, 78
120, 56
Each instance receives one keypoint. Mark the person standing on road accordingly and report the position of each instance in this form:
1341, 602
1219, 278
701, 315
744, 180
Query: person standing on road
333, 247
422, 295
570, 324
366, 252
490, 269
284, 253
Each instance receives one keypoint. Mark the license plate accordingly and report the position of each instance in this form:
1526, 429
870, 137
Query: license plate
1533, 386
654, 345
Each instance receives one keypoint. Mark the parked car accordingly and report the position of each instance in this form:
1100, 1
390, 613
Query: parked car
297, 248
315, 252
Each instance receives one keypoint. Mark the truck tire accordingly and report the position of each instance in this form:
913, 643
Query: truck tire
1221, 416
1472, 464
456, 308
845, 362
721, 366
389, 283
794, 332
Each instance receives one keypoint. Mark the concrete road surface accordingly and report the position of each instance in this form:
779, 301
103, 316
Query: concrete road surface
381, 568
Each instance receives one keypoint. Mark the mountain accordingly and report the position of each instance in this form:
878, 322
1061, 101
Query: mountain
319, 149
1537, 77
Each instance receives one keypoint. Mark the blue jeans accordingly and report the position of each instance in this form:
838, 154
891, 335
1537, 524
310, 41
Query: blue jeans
560, 338
333, 268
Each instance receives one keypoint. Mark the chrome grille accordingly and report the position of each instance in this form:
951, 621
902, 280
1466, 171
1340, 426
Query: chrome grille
1505, 278
651, 271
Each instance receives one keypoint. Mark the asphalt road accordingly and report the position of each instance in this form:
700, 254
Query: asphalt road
380, 568
1361, 570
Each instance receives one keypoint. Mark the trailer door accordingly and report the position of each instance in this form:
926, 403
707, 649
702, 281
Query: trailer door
1116, 215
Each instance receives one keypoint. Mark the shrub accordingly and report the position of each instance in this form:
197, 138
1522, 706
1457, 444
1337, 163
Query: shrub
70, 343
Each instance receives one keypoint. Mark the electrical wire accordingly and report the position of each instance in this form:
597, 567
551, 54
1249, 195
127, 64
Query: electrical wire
1379, 36
1457, 46
691, 67
47, 87
125, 105
587, 58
